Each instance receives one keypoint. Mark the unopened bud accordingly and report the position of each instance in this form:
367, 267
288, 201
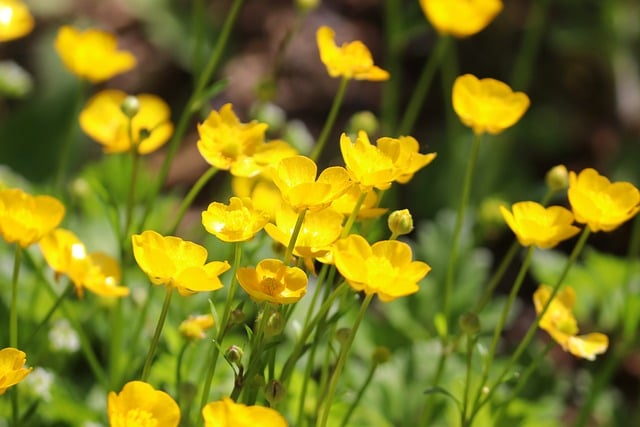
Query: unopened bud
557, 178
469, 323
234, 354
275, 325
342, 335
274, 392
307, 5
380, 355
130, 106
237, 316
400, 222
365, 121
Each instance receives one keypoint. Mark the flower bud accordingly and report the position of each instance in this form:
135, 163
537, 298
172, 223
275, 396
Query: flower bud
380, 355
274, 392
193, 328
275, 325
307, 5
271, 114
234, 354
130, 106
237, 316
363, 120
557, 178
469, 323
400, 222
342, 335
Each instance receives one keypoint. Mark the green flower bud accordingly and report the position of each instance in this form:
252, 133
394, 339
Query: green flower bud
380, 355
557, 178
400, 222
274, 392
275, 325
237, 316
271, 114
342, 335
130, 106
234, 354
363, 120
469, 323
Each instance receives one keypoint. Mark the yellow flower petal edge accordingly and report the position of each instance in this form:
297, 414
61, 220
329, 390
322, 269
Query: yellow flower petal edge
12, 370
139, 404
15, 20
227, 413
273, 281
460, 18
599, 203
351, 60
194, 327
236, 222
487, 105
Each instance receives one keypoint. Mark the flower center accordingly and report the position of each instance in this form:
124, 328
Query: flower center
271, 286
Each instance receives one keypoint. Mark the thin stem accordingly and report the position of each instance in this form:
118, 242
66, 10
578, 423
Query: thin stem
50, 313
179, 369
188, 200
421, 88
135, 161
13, 314
156, 335
331, 118
294, 236
68, 137
393, 64
356, 401
342, 359
354, 214
471, 341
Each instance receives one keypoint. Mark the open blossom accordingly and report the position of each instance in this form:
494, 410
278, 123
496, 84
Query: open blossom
140, 405
384, 268
367, 164
273, 281
236, 222
346, 203
97, 271
404, 152
487, 105
15, 20
351, 60
25, 219
533, 224
104, 120
560, 323
177, 263
599, 203
460, 18
227, 413
92, 54
296, 178
12, 369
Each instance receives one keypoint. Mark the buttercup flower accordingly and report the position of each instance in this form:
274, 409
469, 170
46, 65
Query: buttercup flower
599, 203
12, 369
533, 224
460, 18
92, 54
346, 203
296, 178
487, 105
227, 413
263, 193
177, 263
560, 323
98, 272
273, 281
25, 219
15, 20
104, 120
194, 327
351, 60
237, 222
384, 268
140, 405
404, 152
367, 164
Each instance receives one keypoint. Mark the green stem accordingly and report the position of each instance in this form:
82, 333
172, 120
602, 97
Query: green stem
50, 313
294, 236
393, 64
197, 13
183, 350
356, 401
13, 314
188, 200
342, 359
331, 118
467, 383
422, 87
354, 214
135, 161
68, 137
156, 335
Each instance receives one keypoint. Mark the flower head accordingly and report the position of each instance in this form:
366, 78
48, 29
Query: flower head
351, 60
367, 164
263, 193
384, 268
15, 20
140, 405
460, 18
104, 120
227, 413
273, 281
237, 222
177, 263
98, 272
404, 152
12, 369
533, 224
346, 203
296, 178
560, 323
25, 219
194, 327
487, 105
599, 203
92, 54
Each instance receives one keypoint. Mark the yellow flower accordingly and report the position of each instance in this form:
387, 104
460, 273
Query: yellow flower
12, 369
460, 18
263, 193
140, 405
273, 281
384, 268
599, 203
404, 152
367, 164
98, 272
104, 121
177, 263
346, 203
351, 60
533, 224
487, 105
560, 323
92, 54
15, 20
319, 230
237, 222
193, 328
296, 178
227, 413
25, 218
